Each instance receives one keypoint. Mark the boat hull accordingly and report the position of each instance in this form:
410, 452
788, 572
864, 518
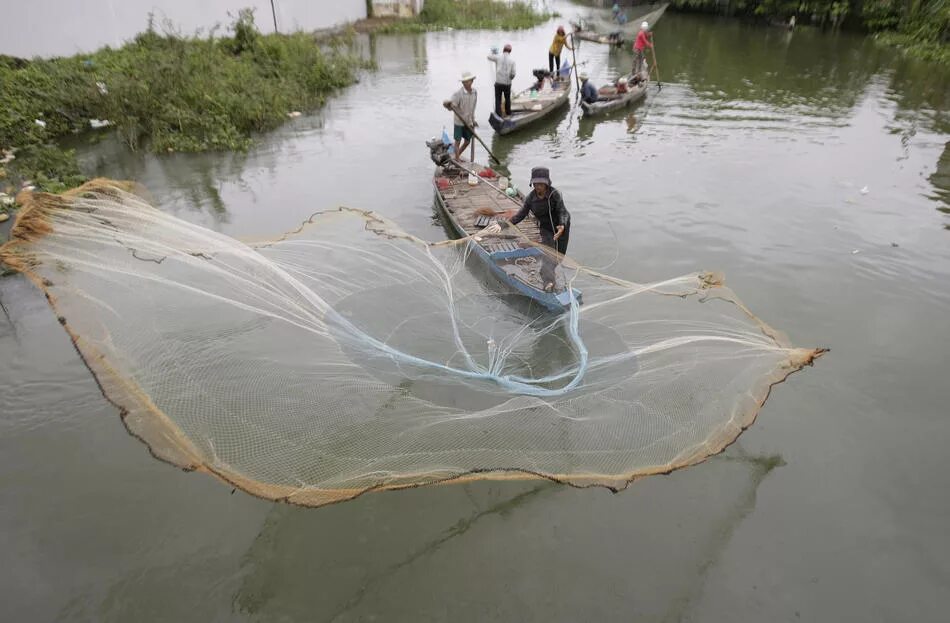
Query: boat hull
512, 259
603, 107
523, 111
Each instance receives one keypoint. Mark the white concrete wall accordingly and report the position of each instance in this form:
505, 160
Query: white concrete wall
399, 8
64, 27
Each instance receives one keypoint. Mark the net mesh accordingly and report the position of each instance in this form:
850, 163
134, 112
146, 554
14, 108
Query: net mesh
349, 356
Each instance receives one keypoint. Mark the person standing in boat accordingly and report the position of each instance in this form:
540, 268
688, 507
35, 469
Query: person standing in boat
504, 74
554, 221
644, 40
462, 104
589, 92
554, 52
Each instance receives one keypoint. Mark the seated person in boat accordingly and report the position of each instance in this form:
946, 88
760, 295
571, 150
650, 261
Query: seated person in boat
462, 104
588, 90
554, 221
622, 85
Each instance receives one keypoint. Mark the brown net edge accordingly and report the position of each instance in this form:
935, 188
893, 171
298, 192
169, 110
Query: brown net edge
166, 442
31, 222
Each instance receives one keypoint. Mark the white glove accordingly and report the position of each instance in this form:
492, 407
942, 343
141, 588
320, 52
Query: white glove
494, 228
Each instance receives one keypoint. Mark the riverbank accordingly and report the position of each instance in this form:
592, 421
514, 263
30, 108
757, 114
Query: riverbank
920, 30
459, 14
163, 92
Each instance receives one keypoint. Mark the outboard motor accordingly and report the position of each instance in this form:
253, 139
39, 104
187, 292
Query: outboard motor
439, 152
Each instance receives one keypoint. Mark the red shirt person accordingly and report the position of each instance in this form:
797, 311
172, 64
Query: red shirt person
644, 41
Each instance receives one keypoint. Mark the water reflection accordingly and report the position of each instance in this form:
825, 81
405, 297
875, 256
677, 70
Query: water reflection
408, 555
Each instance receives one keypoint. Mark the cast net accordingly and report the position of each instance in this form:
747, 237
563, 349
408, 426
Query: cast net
349, 356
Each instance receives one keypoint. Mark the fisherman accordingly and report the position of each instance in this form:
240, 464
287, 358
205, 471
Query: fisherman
589, 92
554, 221
622, 85
644, 41
462, 103
504, 74
554, 52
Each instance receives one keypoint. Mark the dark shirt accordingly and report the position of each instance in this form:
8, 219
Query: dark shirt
549, 211
589, 92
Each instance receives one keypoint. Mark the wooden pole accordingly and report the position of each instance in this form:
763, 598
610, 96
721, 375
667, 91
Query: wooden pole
577, 77
656, 65
475, 134
273, 12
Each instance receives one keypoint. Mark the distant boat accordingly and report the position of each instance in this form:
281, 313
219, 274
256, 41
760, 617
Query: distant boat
533, 103
601, 21
514, 255
587, 35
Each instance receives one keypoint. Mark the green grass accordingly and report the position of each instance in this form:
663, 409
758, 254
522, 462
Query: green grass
469, 14
916, 48
165, 93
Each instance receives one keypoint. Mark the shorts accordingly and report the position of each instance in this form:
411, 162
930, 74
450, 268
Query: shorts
461, 132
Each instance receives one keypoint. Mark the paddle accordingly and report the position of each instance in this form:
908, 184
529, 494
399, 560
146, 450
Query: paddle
475, 134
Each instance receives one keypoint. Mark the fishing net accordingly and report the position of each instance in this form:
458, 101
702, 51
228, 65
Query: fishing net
349, 356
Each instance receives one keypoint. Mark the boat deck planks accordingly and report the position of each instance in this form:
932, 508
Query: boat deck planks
514, 254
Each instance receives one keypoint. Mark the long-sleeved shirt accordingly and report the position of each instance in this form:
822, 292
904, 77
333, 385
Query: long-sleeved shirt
589, 92
643, 41
464, 102
559, 42
504, 68
549, 210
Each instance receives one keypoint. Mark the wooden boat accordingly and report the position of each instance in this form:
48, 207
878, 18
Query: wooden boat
532, 104
596, 37
513, 256
610, 99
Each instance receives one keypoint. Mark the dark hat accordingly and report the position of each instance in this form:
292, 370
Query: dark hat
540, 175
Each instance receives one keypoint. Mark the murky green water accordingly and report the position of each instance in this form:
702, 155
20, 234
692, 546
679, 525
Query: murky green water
750, 160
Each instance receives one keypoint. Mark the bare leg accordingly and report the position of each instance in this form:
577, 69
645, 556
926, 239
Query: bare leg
461, 150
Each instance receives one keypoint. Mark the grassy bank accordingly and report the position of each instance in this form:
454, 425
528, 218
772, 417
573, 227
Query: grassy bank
915, 47
471, 14
164, 93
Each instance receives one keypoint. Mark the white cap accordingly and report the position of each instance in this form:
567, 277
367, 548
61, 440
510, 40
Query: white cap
466, 76
622, 80
583, 75
645, 26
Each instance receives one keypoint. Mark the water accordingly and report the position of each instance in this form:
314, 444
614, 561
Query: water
750, 160
53, 28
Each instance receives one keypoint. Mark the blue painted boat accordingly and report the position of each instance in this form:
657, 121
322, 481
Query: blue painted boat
513, 256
